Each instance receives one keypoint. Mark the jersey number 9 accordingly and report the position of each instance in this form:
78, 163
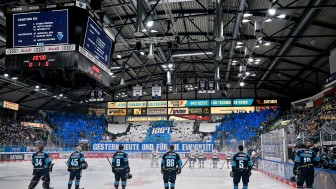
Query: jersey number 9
118, 162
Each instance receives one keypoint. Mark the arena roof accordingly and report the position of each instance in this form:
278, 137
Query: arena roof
293, 49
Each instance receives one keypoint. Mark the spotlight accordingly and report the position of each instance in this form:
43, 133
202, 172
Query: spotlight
6, 75
246, 20
239, 46
118, 56
15, 78
267, 44
247, 73
142, 53
242, 84
281, 16
268, 20
170, 65
37, 87
239, 43
271, 11
150, 23
250, 59
164, 66
247, 15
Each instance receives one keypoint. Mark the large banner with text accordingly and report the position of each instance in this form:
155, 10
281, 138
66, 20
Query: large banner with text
148, 147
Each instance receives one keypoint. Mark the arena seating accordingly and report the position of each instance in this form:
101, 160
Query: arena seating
69, 128
244, 126
137, 133
12, 133
183, 131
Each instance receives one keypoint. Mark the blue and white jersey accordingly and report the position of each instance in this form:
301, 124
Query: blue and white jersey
171, 161
41, 160
241, 160
76, 160
120, 160
305, 159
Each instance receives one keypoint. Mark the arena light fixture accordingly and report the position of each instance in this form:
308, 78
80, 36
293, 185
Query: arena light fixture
15, 78
272, 11
250, 59
170, 65
267, 44
142, 53
37, 87
247, 15
246, 20
154, 31
150, 23
253, 75
6, 75
247, 73
242, 84
144, 30
118, 56
281, 16
239, 46
257, 60
61, 95
268, 20
164, 66
239, 43
257, 46
110, 73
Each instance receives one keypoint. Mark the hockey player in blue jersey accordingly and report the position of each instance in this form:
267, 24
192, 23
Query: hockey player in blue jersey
305, 161
76, 163
42, 165
241, 168
120, 167
171, 165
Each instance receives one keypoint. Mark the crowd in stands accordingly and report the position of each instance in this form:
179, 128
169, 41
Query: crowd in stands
12, 133
183, 131
310, 120
244, 126
179, 131
69, 128
136, 133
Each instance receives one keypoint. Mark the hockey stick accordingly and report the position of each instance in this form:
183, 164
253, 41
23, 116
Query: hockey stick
211, 162
223, 164
185, 163
109, 161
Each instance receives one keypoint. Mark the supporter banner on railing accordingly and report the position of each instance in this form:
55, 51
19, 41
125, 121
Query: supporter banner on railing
30, 124
147, 147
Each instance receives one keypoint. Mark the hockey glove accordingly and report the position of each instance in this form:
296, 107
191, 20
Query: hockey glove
113, 170
295, 172
128, 169
231, 174
250, 173
51, 167
69, 169
179, 171
161, 171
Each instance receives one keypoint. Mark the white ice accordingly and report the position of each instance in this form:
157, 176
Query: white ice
17, 175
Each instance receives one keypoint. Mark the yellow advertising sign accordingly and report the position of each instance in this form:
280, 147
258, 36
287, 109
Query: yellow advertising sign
116, 112
177, 103
145, 118
230, 110
111, 105
97, 111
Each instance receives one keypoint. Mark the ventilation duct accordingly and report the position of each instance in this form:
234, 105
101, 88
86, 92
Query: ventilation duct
138, 31
151, 51
122, 81
169, 80
217, 71
247, 52
219, 21
188, 53
219, 56
217, 85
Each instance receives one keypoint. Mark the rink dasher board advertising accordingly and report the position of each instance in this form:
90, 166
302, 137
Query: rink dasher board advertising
148, 147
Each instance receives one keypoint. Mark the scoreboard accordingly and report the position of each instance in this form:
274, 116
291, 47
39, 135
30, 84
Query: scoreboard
53, 36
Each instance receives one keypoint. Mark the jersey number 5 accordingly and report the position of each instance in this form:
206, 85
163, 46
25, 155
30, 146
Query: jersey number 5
170, 162
241, 164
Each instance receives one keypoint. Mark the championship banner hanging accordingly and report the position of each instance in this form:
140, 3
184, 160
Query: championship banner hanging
156, 92
211, 87
202, 87
137, 91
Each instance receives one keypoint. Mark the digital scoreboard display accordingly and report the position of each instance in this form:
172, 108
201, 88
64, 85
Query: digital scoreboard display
37, 61
40, 28
97, 43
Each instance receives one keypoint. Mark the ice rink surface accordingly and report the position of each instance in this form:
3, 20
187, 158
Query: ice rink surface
17, 175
